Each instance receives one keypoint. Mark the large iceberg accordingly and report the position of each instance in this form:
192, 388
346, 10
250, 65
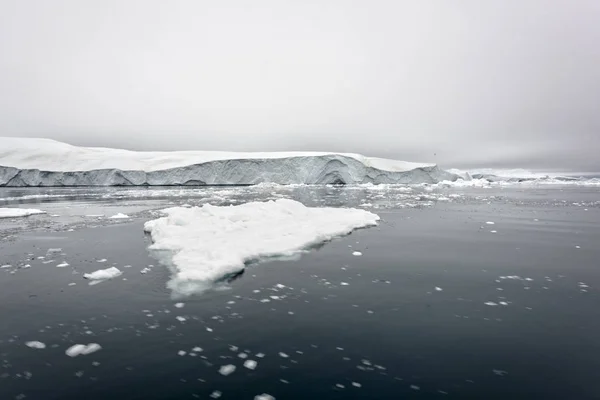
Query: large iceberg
44, 162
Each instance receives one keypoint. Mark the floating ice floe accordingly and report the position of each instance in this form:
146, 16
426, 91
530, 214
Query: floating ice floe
119, 216
103, 274
34, 344
208, 243
82, 349
19, 212
227, 369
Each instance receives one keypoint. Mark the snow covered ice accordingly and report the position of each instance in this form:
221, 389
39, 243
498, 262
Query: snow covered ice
82, 349
19, 212
34, 344
103, 274
119, 216
208, 243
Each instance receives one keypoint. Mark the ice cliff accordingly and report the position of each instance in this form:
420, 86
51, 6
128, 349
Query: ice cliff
43, 162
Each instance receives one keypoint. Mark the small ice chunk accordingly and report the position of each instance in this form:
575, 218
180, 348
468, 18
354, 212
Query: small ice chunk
503, 303
82, 349
260, 355
438, 289
34, 344
119, 216
197, 349
180, 318
227, 369
283, 355
264, 396
356, 384
62, 265
493, 231
357, 253
415, 387
499, 372
490, 303
181, 353
344, 283
490, 223
250, 364
179, 305
216, 394
102, 260
103, 274
339, 386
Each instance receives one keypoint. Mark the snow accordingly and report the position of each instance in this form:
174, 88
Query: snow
50, 155
119, 216
103, 274
19, 212
23, 159
209, 242
34, 344
82, 349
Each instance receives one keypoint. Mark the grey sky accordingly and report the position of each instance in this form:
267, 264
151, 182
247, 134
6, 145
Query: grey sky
464, 83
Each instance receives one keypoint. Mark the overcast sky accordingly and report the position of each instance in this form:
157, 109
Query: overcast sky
464, 83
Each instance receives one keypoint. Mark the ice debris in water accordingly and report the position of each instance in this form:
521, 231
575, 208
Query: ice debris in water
103, 274
283, 355
119, 216
34, 344
357, 253
250, 364
227, 369
438, 289
264, 396
490, 223
499, 372
82, 349
356, 384
490, 303
216, 394
201, 239
62, 265
179, 305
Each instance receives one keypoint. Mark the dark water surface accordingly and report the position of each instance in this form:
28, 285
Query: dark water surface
330, 325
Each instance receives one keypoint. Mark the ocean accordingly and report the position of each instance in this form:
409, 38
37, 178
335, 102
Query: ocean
460, 293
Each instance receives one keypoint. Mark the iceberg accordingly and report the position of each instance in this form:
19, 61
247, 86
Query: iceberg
206, 244
45, 162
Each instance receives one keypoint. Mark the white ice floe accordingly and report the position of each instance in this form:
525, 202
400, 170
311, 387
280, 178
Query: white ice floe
250, 364
209, 242
34, 344
62, 265
103, 274
438, 289
490, 303
119, 216
227, 369
357, 253
19, 212
82, 349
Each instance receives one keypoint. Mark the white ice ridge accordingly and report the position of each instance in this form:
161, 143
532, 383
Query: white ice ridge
44, 162
208, 243
19, 212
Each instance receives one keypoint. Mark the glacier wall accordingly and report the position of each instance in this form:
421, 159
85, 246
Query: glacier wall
321, 169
